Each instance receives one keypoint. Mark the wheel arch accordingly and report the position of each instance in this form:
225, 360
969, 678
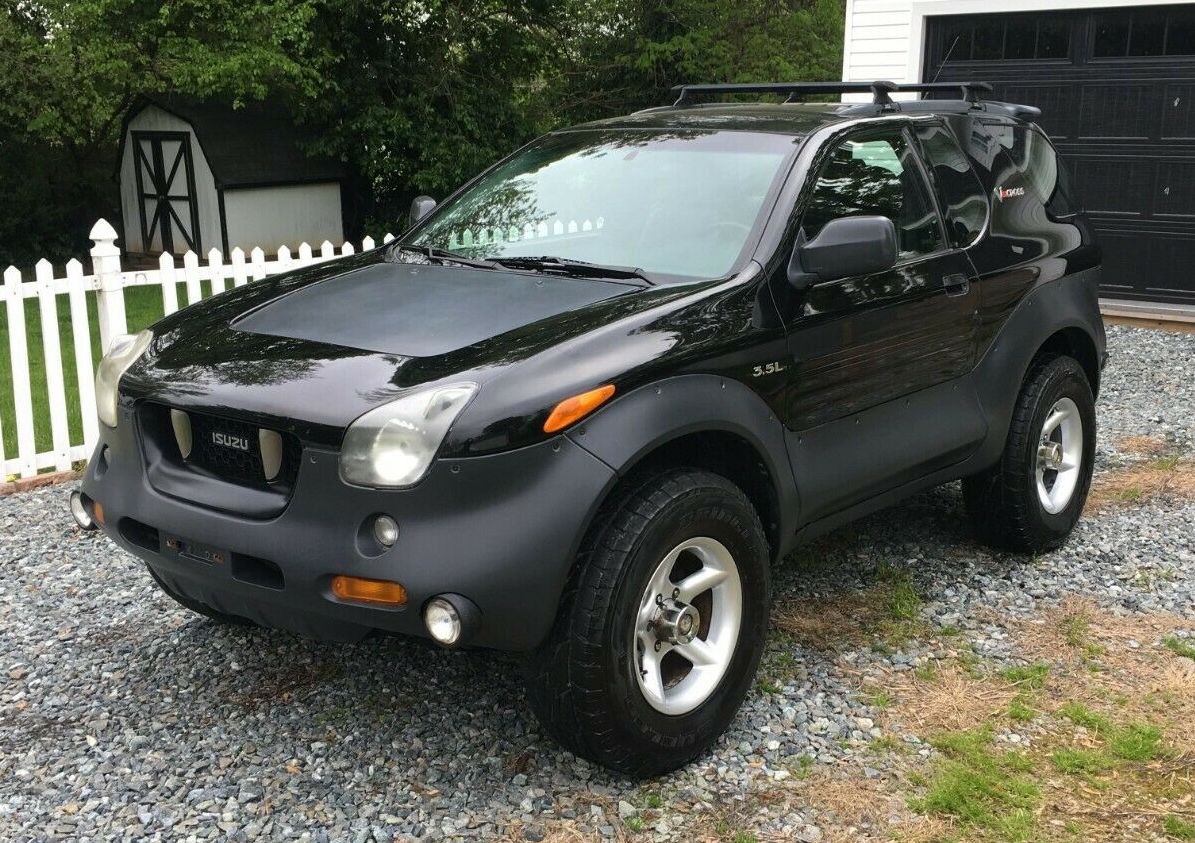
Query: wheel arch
704, 422
1077, 343
1060, 317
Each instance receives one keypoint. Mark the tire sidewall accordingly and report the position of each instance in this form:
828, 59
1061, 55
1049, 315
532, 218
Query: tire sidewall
1064, 379
707, 511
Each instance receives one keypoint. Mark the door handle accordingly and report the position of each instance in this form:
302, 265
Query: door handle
956, 284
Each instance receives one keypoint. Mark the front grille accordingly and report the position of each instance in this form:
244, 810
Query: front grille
227, 461
229, 449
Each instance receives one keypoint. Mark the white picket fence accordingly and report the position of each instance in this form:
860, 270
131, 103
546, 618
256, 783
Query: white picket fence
108, 281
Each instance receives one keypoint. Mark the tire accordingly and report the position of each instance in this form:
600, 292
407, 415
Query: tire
592, 682
197, 607
1008, 506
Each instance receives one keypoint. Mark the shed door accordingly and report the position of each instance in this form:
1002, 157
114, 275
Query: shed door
166, 191
1117, 92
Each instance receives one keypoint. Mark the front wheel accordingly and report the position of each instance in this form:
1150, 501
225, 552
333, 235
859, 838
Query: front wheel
661, 631
1031, 500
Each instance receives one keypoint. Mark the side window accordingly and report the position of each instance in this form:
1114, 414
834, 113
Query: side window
963, 200
876, 174
1044, 173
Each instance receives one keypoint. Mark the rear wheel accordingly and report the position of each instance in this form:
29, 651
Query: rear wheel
659, 636
1031, 500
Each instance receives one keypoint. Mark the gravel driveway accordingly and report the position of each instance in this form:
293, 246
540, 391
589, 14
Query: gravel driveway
123, 716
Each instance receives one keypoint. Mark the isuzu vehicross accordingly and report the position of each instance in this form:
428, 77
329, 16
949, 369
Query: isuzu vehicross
584, 403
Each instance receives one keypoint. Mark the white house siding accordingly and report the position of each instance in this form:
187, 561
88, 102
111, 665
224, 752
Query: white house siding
283, 216
154, 119
885, 38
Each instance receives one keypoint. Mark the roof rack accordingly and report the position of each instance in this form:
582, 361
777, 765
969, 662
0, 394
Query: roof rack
880, 90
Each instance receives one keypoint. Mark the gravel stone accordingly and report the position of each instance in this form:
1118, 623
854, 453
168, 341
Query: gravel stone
122, 716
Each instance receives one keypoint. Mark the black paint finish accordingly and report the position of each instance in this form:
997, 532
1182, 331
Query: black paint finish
1116, 87
850, 393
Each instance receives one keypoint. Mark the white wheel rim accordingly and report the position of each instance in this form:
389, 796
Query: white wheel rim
678, 666
1059, 456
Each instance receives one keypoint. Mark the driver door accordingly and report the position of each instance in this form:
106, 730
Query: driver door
876, 397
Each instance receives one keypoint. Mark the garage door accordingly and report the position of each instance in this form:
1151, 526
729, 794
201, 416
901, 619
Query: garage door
1117, 93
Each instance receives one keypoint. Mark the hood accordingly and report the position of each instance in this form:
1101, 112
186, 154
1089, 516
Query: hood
310, 351
421, 310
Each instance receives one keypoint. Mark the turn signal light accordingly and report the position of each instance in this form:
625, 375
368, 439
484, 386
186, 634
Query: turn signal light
578, 407
362, 590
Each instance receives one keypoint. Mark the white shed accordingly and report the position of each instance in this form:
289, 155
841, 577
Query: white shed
196, 176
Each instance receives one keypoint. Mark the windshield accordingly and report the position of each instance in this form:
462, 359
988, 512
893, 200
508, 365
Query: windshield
679, 205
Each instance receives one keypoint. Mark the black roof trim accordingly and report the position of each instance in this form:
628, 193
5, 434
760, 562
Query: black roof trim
881, 90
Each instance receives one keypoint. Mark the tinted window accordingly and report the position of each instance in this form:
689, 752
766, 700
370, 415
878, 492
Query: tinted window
1041, 170
1146, 32
962, 198
999, 37
876, 174
680, 204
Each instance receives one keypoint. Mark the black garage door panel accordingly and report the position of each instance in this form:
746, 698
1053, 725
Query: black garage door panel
1122, 112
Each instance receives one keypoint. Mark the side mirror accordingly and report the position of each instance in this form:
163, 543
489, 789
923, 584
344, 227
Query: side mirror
844, 247
421, 206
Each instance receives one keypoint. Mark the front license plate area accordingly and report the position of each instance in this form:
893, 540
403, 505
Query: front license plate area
195, 551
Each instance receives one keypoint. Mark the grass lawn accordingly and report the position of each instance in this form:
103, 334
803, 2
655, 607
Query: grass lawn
143, 306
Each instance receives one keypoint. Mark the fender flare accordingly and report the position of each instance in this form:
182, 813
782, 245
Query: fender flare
637, 423
1069, 302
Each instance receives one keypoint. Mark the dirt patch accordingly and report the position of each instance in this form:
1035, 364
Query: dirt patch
1092, 733
1142, 483
1148, 446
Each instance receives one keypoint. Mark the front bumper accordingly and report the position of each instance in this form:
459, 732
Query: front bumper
500, 530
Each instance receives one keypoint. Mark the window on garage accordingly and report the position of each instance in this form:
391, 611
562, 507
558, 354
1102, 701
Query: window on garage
1145, 32
1015, 37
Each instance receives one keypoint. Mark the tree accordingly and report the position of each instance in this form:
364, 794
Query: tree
416, 95
70, 70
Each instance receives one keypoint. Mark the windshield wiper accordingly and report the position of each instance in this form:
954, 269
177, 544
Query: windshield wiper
444, 256
567, 266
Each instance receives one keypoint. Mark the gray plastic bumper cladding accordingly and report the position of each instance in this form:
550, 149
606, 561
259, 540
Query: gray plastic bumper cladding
500, 530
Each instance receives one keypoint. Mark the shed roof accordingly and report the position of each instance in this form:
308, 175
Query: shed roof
256, 145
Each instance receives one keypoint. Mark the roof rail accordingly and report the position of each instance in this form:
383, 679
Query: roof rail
880, 90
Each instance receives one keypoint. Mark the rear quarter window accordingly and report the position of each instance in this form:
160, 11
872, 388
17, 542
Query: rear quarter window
963, 198
1028, 191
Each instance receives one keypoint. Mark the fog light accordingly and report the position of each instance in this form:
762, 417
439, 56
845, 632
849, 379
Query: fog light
80, 513
443, 621
362, 590
385, 530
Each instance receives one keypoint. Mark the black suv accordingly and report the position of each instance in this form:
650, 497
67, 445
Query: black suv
582, 405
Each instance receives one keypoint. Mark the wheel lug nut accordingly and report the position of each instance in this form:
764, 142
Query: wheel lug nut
657, 646
675, 593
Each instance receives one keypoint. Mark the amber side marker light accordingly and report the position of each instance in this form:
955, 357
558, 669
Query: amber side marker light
375, 592
578, 407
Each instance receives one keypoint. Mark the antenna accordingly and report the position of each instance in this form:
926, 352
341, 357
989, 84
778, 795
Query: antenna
945, 58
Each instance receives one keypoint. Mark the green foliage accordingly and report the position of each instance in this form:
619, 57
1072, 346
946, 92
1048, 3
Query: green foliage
982, 787
415, 95
1074, 761
1136, 742
70, 71
1020, 711
1178, 828
1179, 646
1030, 677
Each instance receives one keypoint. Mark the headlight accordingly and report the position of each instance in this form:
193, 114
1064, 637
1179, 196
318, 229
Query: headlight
393, 445
125, 351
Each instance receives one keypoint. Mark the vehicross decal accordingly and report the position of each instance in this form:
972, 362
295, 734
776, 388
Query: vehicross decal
227, 440
1003, 193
